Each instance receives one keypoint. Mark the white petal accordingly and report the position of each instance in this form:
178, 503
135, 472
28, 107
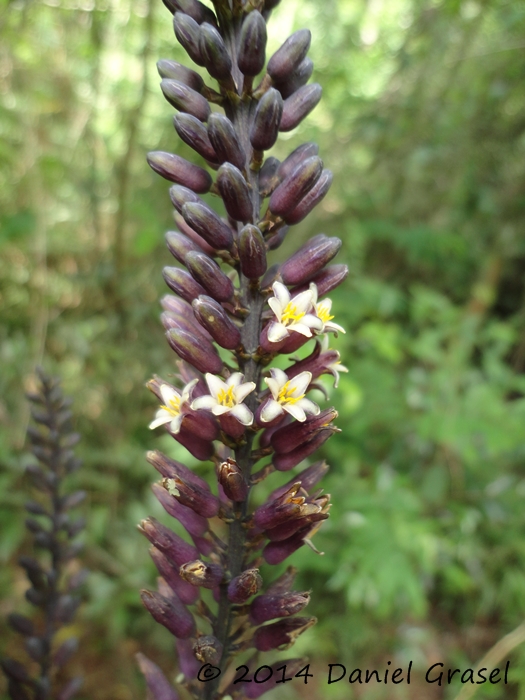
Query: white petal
276, 307
300, 383
281, 293
325, 305
176, 423
313, 322
303, 302
219, 410
243, 414
315, 293
242, 391
187, 391
215, 385
206, 402
279, 375
277, 332
161, 417
235, 379
168, 393
296, 411
271, 410
333, 327
308, 407
274, 387
300, 328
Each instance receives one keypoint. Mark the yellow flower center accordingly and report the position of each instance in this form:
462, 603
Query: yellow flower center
285, 395
324, 313
290, 314
173, 406
226, 398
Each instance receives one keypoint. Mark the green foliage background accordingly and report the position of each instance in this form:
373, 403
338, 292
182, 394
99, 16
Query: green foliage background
423, 124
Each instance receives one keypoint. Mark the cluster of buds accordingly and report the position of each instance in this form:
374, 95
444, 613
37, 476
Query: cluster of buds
51, 590
229, 317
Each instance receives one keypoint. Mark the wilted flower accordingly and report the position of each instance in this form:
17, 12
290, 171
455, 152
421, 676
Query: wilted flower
293, 314
288, 395
227, 397
170, 412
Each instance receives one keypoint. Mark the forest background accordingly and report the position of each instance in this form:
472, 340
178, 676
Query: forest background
423, 124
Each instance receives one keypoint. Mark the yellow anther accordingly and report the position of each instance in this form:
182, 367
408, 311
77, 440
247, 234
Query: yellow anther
291, 315
226, 398
173, 407
324, 313
285, 395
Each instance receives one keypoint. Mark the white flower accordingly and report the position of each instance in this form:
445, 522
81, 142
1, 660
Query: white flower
170, 412
292, 314
323, 309
227, 397
288, 395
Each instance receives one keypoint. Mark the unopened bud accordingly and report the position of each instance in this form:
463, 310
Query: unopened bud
265, 127
243, 586
268, 607
188, 664
202, 355
208, 224
212, 316
174, 547
299, 105
286, 59
208, 649
208, 274
299, 155
308, 478
185, 99
177, 169
252, 44
180, 245
171, 582
325, 280
169, 612
292, 190
312, 199
22, 625
252, 252
309, 259
195, 524
277, 239
268, 179
214, 53
188, 31
235, 192
193, 132
170, 468
188, 231
182, 283
181, 195
297, 79
281, 635
291, 437
232, 480
276, 552
225, 141
192, 496
284, 462
156, 682
195, 9
176, 71
199, 573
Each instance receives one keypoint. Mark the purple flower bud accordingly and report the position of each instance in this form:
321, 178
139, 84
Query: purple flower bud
277, 239
235, 192
199, 573
206, 271
231, 426
186, 323
276, 552
284, 462
177, 169
200, 449
188, 31
173, 547
208, 649
172, 579
193, 235
252, 252
273, 513
176, 71
14, 670
185, 99
308, 478
312, 199
252, 44
214, 53
243, 586
188, 664
299, 105
268, 179
281, 635
180, 245
181, 195
195, 134
22, 625
158, 686
192, 496
195, 9
169, 469
182, 283
292, 190
204, 545
232, 480
268, 607
309, 259
193, 523
169, 612
291, 437
283, 583
325, 280
265, 127
208, 224
297, 79
200, 354
301, 153
225, 141
286, 59
201, 424
212, 316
